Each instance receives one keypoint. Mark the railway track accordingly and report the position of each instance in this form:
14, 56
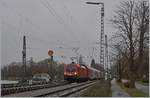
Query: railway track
70, 91
14, 85
11, 90
3, 86
59, 91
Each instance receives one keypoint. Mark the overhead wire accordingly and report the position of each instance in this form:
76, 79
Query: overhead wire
39, 40
59, 18
32, 37
53, 12
38, 29
28, 22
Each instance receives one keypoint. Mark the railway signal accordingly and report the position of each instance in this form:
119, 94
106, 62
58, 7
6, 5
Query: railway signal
50, 63
50, 52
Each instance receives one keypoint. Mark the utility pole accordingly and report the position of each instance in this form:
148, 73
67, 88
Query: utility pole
102, 33
119, 68
24, 58
31, 66
106, 58
93, 52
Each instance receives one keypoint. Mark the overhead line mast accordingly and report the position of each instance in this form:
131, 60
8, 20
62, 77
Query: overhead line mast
102, 32
102, 36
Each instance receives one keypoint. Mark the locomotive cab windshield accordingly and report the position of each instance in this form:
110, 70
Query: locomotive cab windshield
71, 69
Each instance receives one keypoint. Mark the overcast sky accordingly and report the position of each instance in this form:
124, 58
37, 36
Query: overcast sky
59, 25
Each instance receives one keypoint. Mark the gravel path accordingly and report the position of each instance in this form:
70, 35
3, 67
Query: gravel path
117, 91
143, 88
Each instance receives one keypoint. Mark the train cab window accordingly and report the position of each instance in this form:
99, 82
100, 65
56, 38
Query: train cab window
72, 62
83, 67
71, 68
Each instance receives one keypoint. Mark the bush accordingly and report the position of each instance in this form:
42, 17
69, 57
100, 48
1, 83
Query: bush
145, 81
126, 82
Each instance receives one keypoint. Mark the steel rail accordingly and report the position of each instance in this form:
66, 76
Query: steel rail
7, 91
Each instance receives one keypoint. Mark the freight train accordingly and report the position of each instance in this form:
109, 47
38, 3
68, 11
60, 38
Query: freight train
80, 72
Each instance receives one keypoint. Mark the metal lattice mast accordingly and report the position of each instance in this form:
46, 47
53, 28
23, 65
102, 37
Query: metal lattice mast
102, 32
102, 36
24, 58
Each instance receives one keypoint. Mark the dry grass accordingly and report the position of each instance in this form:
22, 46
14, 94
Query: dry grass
99, 89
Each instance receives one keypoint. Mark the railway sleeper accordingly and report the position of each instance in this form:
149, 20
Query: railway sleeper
57, 91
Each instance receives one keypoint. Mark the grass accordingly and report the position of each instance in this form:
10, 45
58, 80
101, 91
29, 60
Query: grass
143, 83
133, 92
99, 89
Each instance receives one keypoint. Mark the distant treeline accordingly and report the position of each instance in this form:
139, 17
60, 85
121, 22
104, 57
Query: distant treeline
15, 69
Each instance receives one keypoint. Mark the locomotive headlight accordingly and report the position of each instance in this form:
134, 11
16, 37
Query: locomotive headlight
65, 73
75, 73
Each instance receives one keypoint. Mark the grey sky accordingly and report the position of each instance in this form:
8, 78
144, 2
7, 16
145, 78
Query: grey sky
52, 24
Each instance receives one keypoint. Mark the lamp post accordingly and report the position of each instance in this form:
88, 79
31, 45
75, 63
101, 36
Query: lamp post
101, 34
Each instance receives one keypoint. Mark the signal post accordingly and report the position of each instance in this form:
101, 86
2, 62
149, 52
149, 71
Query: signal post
50, 63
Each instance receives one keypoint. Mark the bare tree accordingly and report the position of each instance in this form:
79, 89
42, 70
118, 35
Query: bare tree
142, 19
124, 21
120, 57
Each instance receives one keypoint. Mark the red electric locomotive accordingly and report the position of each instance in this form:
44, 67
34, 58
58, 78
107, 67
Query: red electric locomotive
76, 72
